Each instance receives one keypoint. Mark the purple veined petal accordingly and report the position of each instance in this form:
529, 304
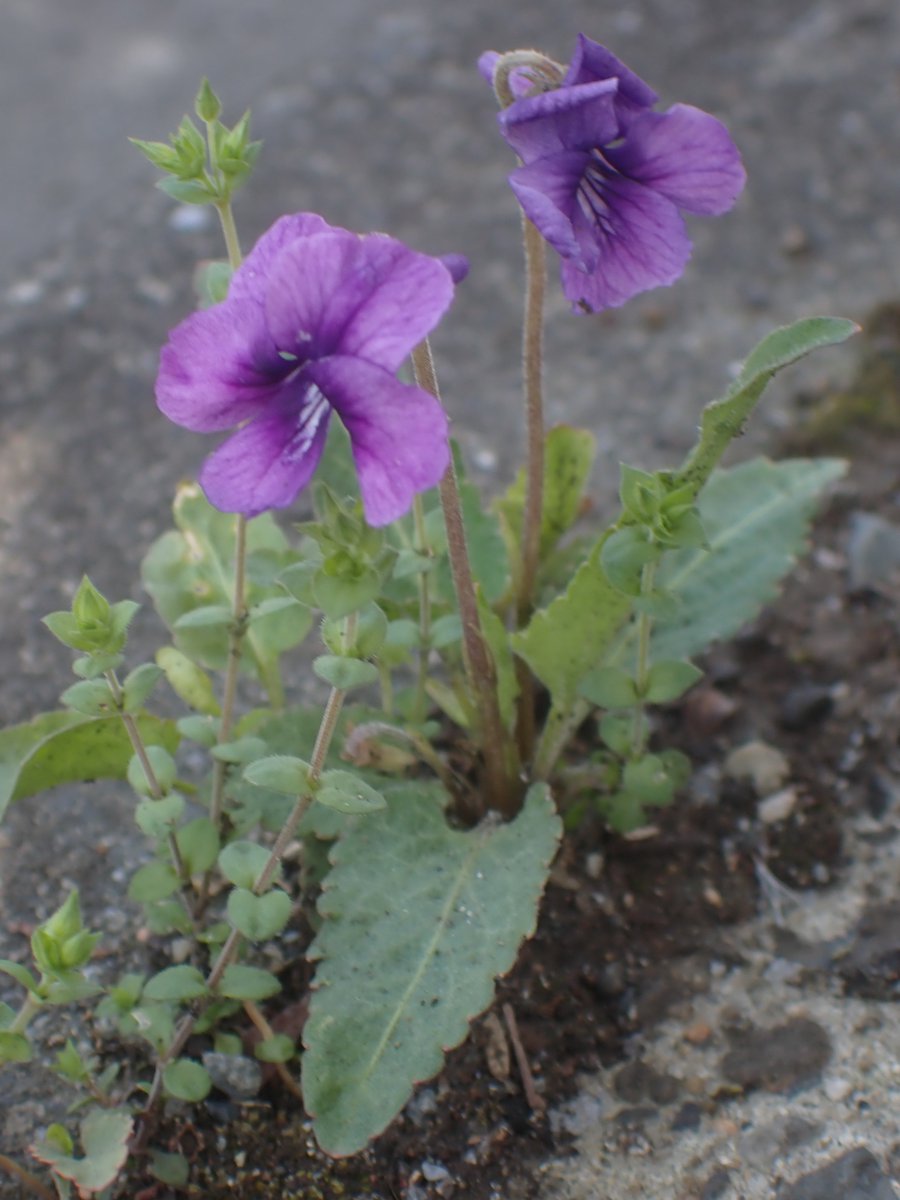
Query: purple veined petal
398, 433
685, 154
218, 367
249, 280
369, 296
547, 190
268, 462
640, 243
575, 118
591, 62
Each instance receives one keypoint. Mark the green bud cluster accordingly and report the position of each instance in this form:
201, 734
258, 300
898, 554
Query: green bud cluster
204, 170
94, 626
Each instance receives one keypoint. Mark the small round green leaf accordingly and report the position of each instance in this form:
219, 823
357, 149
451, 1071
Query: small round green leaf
199, 845
259, 918
347, 793
240, 982
155, 881
609, 687
187, 1080
138, 685
91, 697
648, 780
161, 763
243, 750
344, 673
277, 1049
280, 773
209, 616
157, 818
241, 863
176, 983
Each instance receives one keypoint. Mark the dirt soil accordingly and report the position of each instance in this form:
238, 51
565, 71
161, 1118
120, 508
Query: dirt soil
635, 931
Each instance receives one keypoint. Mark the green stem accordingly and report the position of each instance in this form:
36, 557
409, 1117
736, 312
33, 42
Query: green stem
532, 373
422, 547
235, 939
238, 627
642, 670
229, 231
498, 752
30, 1006
559, 726
156, 791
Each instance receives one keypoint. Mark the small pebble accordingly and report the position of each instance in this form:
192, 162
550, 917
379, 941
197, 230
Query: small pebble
697, 1034
777, 807
764, 766
234, 1074
189, 218
25, 291
434, 1172
837, 1089
794, 240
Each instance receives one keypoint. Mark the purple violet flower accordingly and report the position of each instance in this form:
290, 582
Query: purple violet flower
603, 176
317, 320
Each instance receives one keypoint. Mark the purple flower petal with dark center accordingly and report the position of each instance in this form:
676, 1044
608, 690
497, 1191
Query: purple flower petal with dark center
317, 320
604, 177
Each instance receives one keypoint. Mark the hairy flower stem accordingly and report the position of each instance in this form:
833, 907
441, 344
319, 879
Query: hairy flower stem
156, 791
235, 939
642, 670
422, 547
30, 1006
238, 628
500, 758
532, 373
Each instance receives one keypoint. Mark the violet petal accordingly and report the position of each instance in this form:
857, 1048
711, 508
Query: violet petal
398, 433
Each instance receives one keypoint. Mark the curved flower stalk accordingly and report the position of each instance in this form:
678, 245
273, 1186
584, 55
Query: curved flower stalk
604, 177
317, 320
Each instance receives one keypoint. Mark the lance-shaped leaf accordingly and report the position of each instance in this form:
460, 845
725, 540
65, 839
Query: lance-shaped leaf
563, 641
568, 457
66, 747
724, 419
418, 920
